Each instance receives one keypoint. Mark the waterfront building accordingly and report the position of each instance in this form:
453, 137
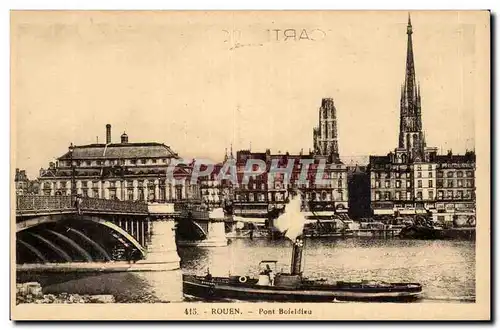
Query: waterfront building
124, 171
358, 186
269, 191
215, 192
22, 182
414, 179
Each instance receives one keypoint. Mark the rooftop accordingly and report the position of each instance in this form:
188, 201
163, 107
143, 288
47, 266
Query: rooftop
121, 150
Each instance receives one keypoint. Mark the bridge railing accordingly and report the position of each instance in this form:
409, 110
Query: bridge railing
43, 203
48, 204
93, 204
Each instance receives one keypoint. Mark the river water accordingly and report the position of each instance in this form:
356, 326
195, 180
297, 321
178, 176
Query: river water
446, 269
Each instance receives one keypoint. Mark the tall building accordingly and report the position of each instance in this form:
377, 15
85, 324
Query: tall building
325, 135
124, 171
410, 180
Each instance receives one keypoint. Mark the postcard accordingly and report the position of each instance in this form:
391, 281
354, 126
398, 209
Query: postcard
250, 165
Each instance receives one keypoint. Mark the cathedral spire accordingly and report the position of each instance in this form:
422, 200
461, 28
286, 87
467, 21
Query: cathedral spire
410, 67
410, 129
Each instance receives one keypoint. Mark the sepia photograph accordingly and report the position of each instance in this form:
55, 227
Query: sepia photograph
250, 165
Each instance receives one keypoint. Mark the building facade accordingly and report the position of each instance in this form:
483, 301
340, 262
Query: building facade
124, 171
270, 190
414, 179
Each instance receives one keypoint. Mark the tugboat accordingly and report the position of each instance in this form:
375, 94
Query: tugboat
293, 287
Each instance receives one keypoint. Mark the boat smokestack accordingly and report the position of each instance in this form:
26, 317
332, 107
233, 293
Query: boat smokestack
298, 248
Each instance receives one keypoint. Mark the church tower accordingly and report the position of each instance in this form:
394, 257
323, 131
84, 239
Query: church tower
411, 136
325, 135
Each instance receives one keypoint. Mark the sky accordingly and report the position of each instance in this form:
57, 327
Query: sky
200, 82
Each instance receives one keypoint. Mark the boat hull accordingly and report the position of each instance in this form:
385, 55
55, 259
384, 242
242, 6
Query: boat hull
213, 290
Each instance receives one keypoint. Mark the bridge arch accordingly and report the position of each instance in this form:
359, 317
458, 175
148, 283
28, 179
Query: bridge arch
191, 230
45, 219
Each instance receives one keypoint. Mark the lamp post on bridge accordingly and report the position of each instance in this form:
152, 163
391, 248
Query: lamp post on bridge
73, 185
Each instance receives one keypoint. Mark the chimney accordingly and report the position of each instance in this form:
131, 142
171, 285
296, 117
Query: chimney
108, 133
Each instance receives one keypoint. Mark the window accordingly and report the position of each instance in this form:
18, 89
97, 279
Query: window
398, 175
130, 194
133, 161
408, 195
419, 183
440, 174
460, 183
398, 184
88, 163
449, 194
154, 161
143, 161
84, 184
377, 184
377, 175
468, 194
377, 195
439, 183
387, 195
408, 184
449, 183
419, 167
430, 184
112, 184
151, 192
460, 174
431, 194
430, 174
99, 163
419, 195
419, 174
440, 194
469, 174
387, 183
398, 195
449, 174
112, 194
469, 183
459, 194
